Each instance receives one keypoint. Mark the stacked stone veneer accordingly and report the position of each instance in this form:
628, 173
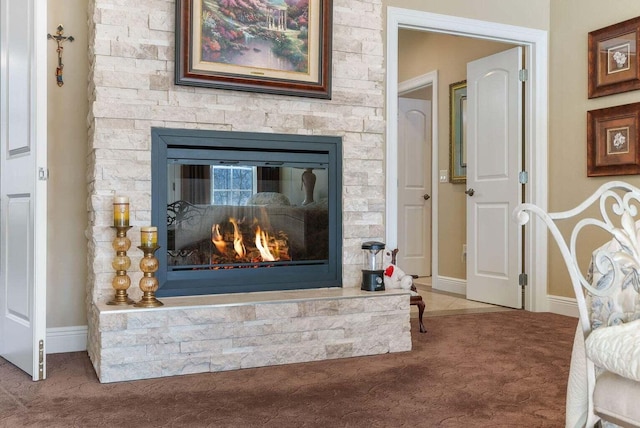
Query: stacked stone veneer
131, 87
182, 339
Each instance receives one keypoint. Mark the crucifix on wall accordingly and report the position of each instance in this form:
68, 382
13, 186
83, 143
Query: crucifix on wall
60, 39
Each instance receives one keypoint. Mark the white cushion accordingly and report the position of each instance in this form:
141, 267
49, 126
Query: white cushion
616, 349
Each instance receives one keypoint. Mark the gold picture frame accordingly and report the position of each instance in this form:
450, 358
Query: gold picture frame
278, 50
458, 132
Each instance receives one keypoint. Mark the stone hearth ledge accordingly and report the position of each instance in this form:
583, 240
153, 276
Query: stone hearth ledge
199, 334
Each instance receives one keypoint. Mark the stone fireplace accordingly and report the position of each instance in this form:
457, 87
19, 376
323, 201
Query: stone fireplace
132, 90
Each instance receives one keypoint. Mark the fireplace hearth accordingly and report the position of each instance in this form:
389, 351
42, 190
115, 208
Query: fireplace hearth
242, 212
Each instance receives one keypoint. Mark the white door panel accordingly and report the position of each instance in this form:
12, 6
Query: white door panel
23, 197
414, 216
494, 126
414, 165
18, 266
492, 233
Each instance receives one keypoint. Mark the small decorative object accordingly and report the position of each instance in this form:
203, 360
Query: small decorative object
60, 39
372, 272
121, 244
274, 47
394, 277
612, 135
308, 183
458, 132
148, 236
121, 211
613, 59
149, 266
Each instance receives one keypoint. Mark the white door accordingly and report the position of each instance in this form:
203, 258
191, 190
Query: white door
414, 186
23, 196
494, 159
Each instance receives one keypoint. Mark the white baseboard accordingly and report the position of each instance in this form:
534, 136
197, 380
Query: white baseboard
66, 339
557, 304
563, 305
452, 285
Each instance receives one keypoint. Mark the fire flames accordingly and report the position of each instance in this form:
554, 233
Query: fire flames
238, 245
217, 239
231, 245
262, 243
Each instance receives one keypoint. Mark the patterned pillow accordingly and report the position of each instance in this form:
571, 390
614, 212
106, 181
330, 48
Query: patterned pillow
622, 305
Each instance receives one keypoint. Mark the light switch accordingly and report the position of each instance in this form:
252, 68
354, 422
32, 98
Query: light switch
444, 176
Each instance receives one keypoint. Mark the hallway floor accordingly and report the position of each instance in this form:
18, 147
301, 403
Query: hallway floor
444, 303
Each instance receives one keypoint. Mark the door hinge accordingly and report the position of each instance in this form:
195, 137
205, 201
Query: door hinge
523, 75
41, 360
523, 278
43, 174
523, 177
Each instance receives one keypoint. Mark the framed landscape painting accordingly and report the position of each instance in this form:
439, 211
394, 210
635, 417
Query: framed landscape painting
269, 46
612, 135
458, 132
613, 59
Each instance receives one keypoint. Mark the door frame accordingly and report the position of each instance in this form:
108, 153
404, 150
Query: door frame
419, 82
535, 43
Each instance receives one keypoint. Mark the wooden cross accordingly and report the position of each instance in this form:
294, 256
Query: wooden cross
60, 39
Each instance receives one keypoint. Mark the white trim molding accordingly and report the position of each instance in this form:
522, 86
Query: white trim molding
451, 285
563, 305
536, 44
419, 82
67, 339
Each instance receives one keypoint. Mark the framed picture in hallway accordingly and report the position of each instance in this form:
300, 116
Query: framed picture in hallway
270, 46
458, 132
612, 135
613, 59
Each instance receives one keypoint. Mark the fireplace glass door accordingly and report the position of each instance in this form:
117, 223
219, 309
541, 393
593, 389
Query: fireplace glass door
246, 216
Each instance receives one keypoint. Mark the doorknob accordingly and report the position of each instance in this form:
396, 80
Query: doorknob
426, 196
470, 192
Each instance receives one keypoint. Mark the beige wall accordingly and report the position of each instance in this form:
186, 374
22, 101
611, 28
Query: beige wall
67, 190
568, 182
418, 53
567, 125
524, 13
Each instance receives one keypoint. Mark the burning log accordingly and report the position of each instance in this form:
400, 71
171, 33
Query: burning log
229, 242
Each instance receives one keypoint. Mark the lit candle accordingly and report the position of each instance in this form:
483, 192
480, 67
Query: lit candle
121, 211
148, 236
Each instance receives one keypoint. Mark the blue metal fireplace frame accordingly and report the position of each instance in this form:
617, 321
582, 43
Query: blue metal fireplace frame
224, 147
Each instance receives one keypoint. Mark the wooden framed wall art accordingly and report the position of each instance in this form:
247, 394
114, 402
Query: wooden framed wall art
256, 46
612, 141
458, 132
613, 59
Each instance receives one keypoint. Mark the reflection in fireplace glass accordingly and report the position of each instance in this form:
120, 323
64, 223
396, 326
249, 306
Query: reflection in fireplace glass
241, 215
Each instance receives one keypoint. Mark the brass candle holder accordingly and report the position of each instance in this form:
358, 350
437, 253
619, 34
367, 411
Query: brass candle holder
148, 282
121, 263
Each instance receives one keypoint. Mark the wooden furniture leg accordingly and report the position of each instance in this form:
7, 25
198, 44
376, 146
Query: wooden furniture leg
417, 300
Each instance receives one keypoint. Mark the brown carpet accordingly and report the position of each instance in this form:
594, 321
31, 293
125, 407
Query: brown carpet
504, 369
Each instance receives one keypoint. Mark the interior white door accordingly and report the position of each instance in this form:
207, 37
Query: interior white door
414, 186
23, 197
494, 159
